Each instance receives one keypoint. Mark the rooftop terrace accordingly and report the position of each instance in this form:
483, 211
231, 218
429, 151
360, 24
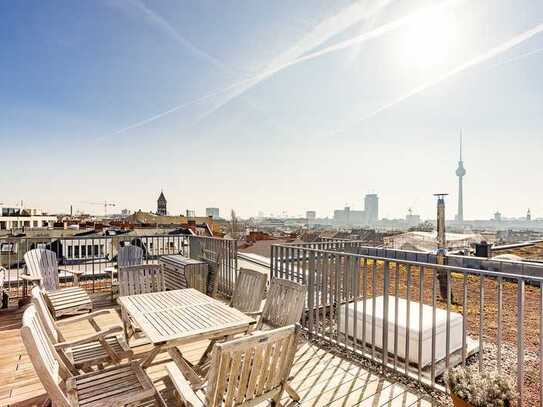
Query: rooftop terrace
321, 377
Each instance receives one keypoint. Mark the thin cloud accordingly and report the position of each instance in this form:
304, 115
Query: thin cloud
493, 52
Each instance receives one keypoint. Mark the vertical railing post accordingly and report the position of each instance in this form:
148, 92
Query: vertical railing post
311, 288
386, 282
520, 341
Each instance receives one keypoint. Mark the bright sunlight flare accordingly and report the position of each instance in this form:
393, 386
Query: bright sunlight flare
428, 39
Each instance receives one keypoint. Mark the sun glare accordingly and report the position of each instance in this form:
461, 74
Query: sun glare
428, 39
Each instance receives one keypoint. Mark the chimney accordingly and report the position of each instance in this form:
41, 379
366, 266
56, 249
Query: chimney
441, 239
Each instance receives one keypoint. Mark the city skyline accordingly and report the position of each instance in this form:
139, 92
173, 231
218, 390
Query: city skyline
295, 110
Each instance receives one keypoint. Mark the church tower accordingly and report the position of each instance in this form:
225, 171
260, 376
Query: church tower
161, 205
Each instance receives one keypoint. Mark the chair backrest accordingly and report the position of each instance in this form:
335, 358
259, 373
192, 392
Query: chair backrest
249, 290
129, 256
214, 262
43, 264
3, 274
252, 368
146, 278
39, 300
44, 357
284, 303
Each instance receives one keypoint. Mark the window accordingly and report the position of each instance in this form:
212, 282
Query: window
76, 252
70, 252
3, 225
101, 250
96, 250
83, 251
6, 247
27, 223
14, 224
44, 223
35, 224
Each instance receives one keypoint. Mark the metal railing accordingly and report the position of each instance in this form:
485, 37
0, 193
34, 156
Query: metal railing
370, 305
93, 255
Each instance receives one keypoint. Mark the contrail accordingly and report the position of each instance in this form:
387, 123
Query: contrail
517, 58
378, 32
176, 108
516, 40
321, 33
157, 20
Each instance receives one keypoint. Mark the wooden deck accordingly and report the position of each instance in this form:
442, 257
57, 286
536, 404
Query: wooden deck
321, 378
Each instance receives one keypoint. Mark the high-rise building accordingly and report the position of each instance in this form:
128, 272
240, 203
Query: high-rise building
371, 208
162, 205
460, 172
311, 215
213, 212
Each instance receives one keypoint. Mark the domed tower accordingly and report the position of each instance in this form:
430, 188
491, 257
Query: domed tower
460, 172
162, 205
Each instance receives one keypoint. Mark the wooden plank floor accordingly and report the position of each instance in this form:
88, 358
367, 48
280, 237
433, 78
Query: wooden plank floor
321, 378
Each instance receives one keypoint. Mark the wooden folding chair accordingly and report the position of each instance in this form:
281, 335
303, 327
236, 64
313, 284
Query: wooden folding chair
122, 385
103, 347
284, 305
249, 291
146, 278
127, 256
244, 372
42, 270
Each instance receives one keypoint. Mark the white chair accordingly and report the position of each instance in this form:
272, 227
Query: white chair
42, 270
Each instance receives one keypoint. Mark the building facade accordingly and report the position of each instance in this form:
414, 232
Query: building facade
371, 208
17, 218
213, 212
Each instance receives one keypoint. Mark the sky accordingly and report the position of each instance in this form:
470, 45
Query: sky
272, 106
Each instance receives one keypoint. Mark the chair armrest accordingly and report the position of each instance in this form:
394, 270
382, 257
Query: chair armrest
76, 272
89, 338
188, 396
254, 313
84, 317
29, 278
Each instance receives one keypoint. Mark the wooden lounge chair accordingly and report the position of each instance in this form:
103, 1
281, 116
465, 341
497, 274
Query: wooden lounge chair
126, 384
101, 348
127, 256
146, 278
249, 291
42, 270
284, 304
244, 372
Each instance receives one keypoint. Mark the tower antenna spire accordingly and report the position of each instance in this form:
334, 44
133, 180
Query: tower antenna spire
460, 144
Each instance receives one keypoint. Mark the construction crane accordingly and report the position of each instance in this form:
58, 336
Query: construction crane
105, 204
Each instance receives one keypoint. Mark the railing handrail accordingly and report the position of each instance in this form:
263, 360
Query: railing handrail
437, 266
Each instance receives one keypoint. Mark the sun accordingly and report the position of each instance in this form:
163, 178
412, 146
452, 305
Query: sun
428, 39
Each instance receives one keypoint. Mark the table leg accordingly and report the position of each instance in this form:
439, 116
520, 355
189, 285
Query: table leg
151, 356
186, 368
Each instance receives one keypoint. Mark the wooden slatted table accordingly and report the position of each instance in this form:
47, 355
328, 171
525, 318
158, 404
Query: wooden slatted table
173, 318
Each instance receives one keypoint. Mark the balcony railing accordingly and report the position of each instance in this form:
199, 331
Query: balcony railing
94, 254
500, 314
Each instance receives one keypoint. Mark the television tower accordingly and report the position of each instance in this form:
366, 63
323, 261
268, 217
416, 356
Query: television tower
460, 172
